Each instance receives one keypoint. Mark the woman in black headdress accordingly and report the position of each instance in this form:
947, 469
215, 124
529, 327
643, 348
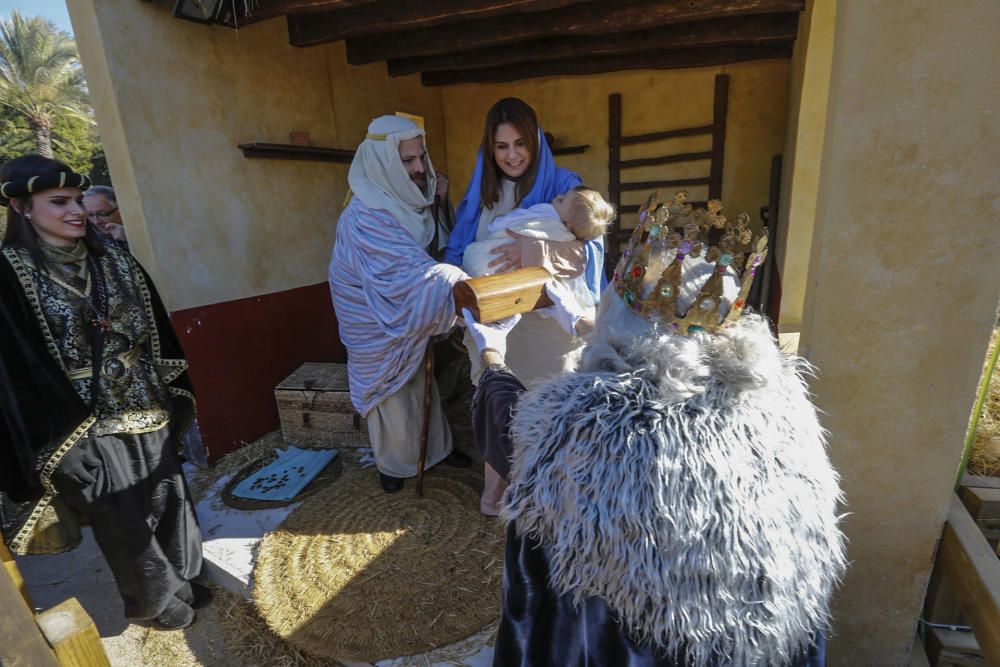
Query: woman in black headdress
95, 396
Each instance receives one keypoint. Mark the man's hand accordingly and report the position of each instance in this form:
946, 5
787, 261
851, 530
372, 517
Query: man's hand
441, 189
509, 255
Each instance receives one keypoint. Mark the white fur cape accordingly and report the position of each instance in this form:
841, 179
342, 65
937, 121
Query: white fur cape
706, 517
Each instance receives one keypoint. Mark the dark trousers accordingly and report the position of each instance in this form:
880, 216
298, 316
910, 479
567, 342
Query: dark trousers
133, 491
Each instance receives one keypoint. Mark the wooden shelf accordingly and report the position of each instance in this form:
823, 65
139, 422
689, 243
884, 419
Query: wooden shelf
570, 150
293, 152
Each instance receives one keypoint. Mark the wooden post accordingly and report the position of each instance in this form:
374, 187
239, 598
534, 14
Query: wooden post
918, 656
968, 561
425, 425
950, 648
21, 642
941, 604
720, 107
611, 238
11, 566
979, 482
72, 635
984, 506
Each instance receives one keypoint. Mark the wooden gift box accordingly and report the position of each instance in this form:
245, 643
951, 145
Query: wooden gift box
492, 298
315, 408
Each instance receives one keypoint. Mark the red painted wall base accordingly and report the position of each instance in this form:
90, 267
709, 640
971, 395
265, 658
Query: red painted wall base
239, 350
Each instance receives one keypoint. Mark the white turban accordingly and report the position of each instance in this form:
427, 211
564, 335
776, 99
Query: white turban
379, 179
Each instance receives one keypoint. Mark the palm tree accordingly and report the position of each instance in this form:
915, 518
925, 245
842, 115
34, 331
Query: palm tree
40, 75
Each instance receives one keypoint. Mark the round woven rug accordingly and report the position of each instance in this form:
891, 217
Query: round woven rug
357, 574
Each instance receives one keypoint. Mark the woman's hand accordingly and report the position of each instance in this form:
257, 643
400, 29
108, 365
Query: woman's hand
509, 255
490, 336
566, 310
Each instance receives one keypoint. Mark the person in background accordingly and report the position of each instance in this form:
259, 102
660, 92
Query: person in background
103, 213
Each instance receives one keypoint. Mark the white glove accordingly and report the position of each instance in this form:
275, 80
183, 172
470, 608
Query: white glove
566, 310
490, 336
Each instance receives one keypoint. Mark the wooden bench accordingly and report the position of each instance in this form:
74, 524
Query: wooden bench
964, 589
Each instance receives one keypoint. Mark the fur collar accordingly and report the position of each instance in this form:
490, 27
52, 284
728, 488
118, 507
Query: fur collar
708, 524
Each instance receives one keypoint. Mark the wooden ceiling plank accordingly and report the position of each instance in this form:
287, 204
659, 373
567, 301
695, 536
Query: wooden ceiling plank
762, 29
600, 18
666, 59
396, 15
267, 9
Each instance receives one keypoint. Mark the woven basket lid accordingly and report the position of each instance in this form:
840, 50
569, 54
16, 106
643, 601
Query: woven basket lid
313, 376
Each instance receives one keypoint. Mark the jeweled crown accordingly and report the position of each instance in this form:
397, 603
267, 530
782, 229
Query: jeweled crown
655, 237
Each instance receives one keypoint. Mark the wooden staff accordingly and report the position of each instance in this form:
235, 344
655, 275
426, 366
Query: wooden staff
426, 426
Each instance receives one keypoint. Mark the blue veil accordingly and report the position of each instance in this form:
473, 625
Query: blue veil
550, 181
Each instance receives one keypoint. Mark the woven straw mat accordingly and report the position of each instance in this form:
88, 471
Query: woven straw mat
358, 574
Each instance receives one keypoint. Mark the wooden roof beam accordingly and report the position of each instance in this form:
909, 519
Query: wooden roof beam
396, 15
763, 29
600, 18
267, 9
664, 59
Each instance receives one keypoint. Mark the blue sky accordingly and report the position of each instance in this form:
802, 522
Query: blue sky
54, 10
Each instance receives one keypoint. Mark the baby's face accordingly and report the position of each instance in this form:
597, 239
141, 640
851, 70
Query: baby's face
563, 204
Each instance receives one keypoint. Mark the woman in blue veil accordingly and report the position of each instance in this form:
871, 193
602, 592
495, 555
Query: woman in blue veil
538, 183
515, 169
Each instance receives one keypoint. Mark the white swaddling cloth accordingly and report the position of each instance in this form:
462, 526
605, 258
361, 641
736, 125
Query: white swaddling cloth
539, 221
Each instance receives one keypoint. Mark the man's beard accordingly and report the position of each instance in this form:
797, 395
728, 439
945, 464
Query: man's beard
420, 182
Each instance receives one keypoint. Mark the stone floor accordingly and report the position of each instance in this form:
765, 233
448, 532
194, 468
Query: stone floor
230, 537
82, 573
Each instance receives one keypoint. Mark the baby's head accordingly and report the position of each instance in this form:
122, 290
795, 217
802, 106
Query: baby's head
584, 212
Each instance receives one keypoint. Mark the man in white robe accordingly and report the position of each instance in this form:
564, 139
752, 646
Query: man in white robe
391, 297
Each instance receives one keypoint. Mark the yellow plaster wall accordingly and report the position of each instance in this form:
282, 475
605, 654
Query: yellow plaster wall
174, 98
360, 93
807, 111
902, 290
575, 110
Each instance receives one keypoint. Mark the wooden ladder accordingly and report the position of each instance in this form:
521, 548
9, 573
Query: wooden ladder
616, 139
64, 636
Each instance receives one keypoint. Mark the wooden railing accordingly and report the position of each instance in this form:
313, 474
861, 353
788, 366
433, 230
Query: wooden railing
962, 612
64, 636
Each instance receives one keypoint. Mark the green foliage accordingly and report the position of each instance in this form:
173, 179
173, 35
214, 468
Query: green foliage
43, 97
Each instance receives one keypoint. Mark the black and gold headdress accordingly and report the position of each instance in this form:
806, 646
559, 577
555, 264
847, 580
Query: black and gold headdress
59, 179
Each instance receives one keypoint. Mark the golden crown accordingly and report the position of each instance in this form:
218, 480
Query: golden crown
677, 227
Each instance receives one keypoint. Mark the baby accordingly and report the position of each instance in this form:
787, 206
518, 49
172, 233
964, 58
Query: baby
580, 214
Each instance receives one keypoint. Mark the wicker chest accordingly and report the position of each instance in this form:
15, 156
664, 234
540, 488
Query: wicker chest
315, 408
